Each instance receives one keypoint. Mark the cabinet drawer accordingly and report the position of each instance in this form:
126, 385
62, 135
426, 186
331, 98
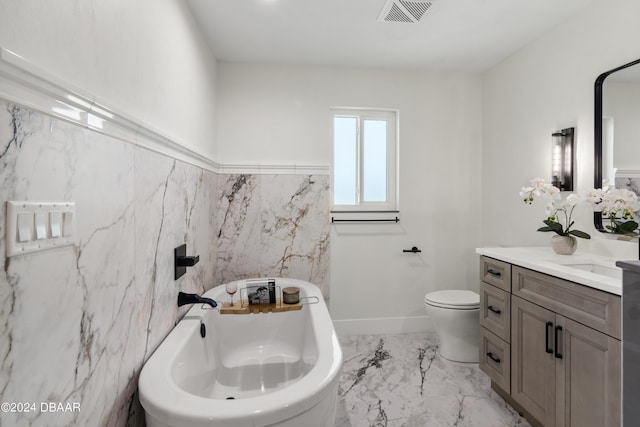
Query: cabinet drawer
496, 273
495, 359
592, 307
495, 311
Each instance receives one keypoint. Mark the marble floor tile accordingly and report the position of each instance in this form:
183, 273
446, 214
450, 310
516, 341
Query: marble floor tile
401, 380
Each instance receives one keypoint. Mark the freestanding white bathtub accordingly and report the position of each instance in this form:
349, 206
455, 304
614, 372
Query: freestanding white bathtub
264, 369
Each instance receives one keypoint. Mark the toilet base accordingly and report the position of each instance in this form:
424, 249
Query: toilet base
457, 350
457, 332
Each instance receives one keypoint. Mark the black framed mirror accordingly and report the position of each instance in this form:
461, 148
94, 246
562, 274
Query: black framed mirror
627, 77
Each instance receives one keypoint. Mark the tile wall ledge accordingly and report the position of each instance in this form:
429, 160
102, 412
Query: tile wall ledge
628, 173
24, 83
274, 169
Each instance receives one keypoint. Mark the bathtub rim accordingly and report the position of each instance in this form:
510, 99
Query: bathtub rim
171, 403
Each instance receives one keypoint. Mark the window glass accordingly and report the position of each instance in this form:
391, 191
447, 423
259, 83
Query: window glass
374, 156
345, 160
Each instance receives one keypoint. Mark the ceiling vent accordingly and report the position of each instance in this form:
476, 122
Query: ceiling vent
404, 10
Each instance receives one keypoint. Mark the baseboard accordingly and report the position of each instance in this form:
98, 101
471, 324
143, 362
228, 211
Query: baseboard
386, 325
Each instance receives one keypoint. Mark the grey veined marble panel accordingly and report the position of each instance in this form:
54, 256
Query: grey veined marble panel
632, 184
274, 225
67, 310
77, 323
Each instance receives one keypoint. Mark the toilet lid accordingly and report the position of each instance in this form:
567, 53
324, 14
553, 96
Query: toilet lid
456, 299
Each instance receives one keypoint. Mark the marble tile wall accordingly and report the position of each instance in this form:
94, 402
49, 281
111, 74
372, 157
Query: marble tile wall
77, 323
273, 225
632, 184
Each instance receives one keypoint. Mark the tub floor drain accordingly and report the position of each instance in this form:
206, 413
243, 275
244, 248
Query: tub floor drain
231, 398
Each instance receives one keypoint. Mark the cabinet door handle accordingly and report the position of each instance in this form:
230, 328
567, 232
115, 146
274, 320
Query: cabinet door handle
548, 326
558, 331
494, 272
492, 357
493, 309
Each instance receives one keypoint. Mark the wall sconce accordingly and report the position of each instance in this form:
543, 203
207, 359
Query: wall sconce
562, 159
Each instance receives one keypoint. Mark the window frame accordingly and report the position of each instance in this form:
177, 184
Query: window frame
391, 116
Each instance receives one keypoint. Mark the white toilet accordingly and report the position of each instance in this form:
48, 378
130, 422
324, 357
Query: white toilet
455, 315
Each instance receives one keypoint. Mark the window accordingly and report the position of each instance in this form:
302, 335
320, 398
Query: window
364, 160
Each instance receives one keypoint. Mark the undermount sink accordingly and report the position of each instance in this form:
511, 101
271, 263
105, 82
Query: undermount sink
603, 270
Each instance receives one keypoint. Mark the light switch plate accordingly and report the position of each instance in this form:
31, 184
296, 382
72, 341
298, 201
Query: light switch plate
38, 226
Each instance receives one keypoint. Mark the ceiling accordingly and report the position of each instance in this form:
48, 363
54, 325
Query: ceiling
464, 35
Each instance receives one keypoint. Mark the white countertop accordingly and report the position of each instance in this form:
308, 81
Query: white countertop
546, 261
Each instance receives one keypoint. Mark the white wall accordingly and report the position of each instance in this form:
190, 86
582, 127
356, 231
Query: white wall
542, 88
144, 57
280, 115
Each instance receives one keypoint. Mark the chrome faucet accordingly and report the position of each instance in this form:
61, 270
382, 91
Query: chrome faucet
184, 299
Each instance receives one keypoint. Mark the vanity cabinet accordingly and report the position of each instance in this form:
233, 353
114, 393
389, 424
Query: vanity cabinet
564, 344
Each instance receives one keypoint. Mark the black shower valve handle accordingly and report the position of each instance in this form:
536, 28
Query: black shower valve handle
181, 261
187, 261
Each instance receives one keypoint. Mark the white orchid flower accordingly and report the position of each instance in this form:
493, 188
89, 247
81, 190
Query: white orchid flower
558, 211
538, 182
594, 197
573, 199
619, 202
550, 209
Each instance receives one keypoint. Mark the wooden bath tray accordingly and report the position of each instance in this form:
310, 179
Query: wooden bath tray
243, 307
